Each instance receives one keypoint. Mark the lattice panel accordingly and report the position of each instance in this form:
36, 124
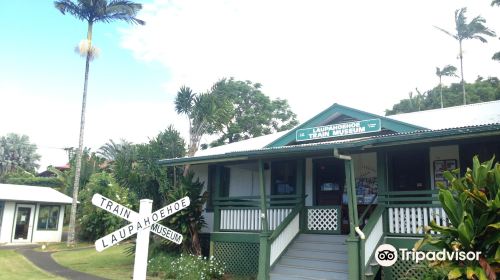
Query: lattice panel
240, 258
405, 270
323, 219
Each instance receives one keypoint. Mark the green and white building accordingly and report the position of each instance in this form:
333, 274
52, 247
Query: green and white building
315, 202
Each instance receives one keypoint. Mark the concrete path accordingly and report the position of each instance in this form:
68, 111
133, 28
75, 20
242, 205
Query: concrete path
45, 261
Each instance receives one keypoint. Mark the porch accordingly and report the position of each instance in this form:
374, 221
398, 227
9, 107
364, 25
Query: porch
255, 234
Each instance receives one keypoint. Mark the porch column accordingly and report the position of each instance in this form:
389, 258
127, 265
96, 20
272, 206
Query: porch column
353, 246
352, 200
264, 248
216, 196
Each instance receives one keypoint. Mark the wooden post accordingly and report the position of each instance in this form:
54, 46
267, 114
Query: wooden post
352, 198
216, 196
142, 243
353, 242
264, 248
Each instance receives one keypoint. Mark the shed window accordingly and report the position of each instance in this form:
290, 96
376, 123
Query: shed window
48, 217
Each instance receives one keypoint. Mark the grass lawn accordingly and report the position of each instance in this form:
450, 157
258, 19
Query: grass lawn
14, 266
61, 246
112, 263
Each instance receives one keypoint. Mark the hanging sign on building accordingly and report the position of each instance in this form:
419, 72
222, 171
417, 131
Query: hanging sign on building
338, 130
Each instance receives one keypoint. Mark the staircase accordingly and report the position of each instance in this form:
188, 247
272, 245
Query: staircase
313, 257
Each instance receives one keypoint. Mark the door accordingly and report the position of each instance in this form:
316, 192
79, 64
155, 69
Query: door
23, 223
329, 181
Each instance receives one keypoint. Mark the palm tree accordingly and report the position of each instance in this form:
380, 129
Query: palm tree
207, 113
92, 11
448, 71
472, 30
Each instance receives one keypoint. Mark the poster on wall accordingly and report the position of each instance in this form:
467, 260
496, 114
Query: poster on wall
440, 166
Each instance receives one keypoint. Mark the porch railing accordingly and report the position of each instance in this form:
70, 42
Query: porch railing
249, 219
410, 211
284, 234
244, 214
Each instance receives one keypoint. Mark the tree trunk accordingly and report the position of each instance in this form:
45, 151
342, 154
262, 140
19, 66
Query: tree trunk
441, 92
462, 71
76, 184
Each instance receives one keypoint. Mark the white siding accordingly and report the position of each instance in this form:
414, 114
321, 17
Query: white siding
7, 221
48, 235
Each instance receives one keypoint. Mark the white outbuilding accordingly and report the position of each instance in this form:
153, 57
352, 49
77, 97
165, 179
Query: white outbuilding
30, 214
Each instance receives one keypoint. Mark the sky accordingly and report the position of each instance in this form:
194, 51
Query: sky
363, 54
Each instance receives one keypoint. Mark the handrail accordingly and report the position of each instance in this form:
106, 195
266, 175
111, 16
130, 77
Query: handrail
368, 241
254, 201
285, 222
256, 197
363, 215
396, 193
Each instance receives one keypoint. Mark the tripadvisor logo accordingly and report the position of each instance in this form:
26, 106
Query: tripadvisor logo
387, 255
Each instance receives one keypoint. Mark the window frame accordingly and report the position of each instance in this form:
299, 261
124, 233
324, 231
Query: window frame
292, 183
51, 207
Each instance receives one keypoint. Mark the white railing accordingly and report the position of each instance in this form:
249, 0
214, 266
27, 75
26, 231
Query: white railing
284, 238
373, 239
412, 220
250, 220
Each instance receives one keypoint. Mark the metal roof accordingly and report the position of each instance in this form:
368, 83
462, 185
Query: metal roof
32, 194
362, 142
465, 115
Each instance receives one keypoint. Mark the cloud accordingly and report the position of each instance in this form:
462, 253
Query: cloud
364, 54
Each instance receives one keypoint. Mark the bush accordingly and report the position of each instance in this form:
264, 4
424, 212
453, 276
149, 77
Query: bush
95, 222
472, 204
21, 177
190, 220
186, 267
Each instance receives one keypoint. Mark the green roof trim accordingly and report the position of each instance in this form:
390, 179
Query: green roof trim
336, 108
371, 142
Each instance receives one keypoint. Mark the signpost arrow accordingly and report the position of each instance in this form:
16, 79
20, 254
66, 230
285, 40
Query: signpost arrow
141, 223
132, 216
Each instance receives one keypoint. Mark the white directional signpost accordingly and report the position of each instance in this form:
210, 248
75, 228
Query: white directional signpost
141, 223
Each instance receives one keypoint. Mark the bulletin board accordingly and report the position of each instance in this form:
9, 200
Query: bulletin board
440, 166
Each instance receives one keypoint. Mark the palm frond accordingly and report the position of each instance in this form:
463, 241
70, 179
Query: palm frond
68, 6
184, 100
496, 56
449, 71
100, 10
446, 32
120, 10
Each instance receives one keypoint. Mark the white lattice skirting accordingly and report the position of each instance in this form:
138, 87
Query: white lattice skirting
323, 219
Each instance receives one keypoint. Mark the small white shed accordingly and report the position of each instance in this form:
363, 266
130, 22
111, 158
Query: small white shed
30, 214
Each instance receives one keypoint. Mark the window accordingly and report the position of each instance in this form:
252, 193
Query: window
409, 170
284, 177
225, 174
48, 217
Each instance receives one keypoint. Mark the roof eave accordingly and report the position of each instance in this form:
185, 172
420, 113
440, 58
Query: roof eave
375, 142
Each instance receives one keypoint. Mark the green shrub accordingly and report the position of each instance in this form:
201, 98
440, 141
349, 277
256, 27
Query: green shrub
190, 220
187, 267
95, 222
50, 182
472, 204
